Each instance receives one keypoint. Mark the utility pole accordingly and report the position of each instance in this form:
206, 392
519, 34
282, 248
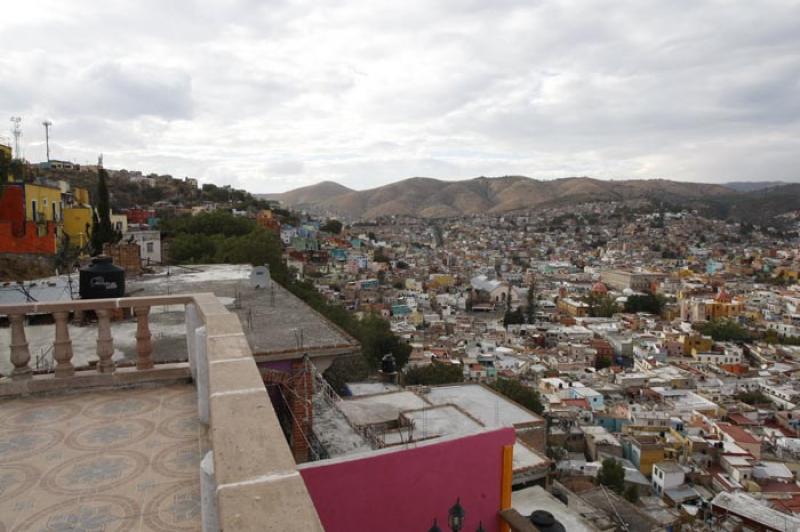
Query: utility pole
47, 125
16, 130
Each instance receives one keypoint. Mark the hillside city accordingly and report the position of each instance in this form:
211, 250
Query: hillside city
645, 354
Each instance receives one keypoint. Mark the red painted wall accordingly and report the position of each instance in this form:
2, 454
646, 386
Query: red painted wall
139, 216
404, 490
30, 242
12, 207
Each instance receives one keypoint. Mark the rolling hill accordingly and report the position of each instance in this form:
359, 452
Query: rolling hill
310, 195
434, 198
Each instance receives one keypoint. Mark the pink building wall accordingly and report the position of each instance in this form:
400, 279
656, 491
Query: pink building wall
404, 490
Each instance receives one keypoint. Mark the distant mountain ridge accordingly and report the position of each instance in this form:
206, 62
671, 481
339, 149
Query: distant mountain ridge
435, 198
309, 195
752, 186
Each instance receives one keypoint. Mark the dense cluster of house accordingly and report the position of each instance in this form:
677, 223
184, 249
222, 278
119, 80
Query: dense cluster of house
704, 428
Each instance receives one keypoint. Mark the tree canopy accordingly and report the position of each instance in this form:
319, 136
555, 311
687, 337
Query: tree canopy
725, 331
612, 475
519, 393
102, 231
434, 373
332, 226
650, 303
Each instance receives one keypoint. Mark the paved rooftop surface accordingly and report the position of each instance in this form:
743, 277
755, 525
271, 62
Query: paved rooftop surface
273, 319
380, 408
117, 460
491, 409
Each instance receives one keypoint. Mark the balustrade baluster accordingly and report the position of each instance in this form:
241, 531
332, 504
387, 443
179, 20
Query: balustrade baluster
144, 346
62, 346
105, 342
20, 354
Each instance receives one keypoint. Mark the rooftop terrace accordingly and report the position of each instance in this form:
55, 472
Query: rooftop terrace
104, 447
124, 459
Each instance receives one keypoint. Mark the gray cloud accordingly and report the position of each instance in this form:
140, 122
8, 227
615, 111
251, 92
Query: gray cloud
273, 95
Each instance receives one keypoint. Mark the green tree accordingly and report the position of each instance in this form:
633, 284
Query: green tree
601, 305
530, 308
332, 226
632, 493
754, 397
434, 373
513, 317
103, 232
519, 393
725, 331
649, 302
344, 370
377, 340
612, 475
602, 362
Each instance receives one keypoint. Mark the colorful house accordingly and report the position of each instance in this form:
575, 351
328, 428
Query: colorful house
77, 217
18, 233
43, 203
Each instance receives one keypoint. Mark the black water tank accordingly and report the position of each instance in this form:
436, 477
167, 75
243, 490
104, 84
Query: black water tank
388, 364
546, 522
101, 279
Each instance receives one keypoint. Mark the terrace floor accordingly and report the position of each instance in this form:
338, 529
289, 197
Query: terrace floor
115, 460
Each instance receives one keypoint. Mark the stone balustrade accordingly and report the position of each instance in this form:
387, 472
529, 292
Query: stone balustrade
22, 376
249, 480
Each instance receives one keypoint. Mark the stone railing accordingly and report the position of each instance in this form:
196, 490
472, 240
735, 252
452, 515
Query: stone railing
249, 480
64, 375
256, 482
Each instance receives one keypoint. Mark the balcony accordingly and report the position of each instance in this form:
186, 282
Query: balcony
99, 443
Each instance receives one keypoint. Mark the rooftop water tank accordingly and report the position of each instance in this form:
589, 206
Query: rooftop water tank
546, 522
101, 279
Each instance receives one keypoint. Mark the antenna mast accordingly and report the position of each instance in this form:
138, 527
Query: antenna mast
47, 125
16, 130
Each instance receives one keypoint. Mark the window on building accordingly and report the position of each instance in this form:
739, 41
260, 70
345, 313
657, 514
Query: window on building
34, 210
150, 247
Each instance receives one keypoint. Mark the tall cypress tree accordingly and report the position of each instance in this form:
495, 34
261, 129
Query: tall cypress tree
530, 309
103, 231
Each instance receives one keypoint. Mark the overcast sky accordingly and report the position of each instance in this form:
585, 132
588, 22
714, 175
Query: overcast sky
272, 95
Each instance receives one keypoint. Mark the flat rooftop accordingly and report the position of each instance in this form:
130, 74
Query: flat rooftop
444, 420
491, 409
275, 321
380, 408
123, 459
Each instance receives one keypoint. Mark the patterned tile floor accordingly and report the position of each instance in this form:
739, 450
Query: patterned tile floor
118, 460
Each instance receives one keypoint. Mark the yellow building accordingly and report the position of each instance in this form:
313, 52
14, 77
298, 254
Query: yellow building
573, 307
442, 280
78, 224
43, 203
80, 195
650, 451
5, 155
723, 307
696, 343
